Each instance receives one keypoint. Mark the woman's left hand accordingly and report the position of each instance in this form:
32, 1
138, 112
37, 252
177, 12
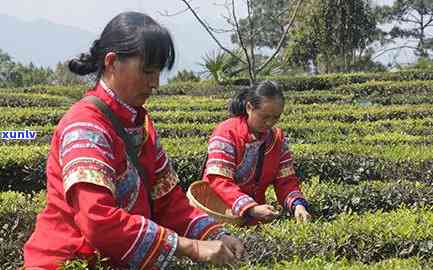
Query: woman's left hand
234, 244
301, 214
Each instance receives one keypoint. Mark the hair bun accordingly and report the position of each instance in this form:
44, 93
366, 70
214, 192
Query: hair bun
83, 65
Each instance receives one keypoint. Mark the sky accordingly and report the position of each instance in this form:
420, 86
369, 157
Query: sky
93, 15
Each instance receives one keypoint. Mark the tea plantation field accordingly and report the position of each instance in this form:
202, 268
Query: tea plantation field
363, 145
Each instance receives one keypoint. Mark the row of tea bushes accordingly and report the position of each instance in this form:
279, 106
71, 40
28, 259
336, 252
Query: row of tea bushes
343, 113
367, 237
23, 167
329, 81
74, 92
349, 223
32, 100
394, 131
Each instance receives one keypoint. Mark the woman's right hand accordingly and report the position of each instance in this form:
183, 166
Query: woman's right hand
214, 251
263, 212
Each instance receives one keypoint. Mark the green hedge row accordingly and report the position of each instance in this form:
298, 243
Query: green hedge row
379, 239
317, 97
300, 112
32, 100
17, 218
308, 132
31, 116
23, 167
325, 82
72, 91
387, 88
328, 201
409, 131
318, 263
206, 88
202, 88
194, 103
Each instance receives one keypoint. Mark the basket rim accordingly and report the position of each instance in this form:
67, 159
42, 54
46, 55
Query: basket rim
204, 208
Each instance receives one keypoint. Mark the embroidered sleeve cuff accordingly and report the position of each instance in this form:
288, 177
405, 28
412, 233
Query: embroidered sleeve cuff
166, 251
299, 201
217, 234
242, 204
202, 227
290, 199
154, 246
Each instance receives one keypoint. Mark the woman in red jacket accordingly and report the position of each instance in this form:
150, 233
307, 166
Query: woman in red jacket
247, 153
98, 201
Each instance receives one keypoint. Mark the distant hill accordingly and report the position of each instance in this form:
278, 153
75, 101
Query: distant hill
46, 43
42, 42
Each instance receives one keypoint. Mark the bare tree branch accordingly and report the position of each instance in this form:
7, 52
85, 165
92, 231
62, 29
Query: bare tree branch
235, 72
283, 37
167, 14
415, 19
409, 20
241, 40
392, 49
205, 26
252, 43
430, 20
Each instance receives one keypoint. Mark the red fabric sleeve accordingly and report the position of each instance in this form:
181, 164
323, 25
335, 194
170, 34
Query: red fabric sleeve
128, 240
171, 207
231, 194
287, 184
174, 211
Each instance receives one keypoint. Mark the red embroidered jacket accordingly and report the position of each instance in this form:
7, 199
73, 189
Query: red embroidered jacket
96, 200
232, 158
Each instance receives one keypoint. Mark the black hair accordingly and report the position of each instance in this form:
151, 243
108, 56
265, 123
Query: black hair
254, 95
128, 34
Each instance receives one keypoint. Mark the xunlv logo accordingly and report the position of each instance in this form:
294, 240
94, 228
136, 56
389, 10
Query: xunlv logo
18, 135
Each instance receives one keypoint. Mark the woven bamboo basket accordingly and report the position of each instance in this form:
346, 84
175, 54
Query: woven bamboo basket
202, 196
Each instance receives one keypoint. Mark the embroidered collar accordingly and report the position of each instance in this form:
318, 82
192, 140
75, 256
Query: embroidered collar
248, 136
130, 116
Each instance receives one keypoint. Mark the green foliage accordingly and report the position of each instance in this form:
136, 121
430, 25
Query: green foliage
63, 76
328, 199
422, 63
268, 19
10, 99
14, 74
100, 263
202, 88
362, 145
411, 19
335, 36
184, 76
17, 218
219, 65
330, 81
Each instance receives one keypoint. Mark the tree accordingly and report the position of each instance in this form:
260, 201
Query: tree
247, 41
413, 18
270, 18
7, 69
335, 36
63, 76
184, 76
14, 74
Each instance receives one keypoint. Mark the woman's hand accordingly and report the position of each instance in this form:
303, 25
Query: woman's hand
219, 252
234, 244
301, 214
263, 212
